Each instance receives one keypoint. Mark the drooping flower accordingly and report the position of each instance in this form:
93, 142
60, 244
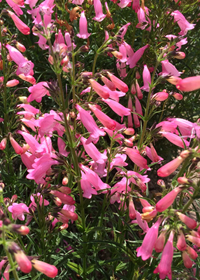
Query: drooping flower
164, 267
49, 270
18, 210
182, 22
21, 26
83, 31
167, 200
145, 251
99, 16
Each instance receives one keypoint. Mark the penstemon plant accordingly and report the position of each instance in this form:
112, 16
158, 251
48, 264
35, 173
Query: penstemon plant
86, 90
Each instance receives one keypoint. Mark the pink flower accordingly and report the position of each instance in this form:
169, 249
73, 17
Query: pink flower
100, 90
99, 16
15, 7
23, 261
169, 69
167, 200
90, 125
182, 22
18, 149
186, 260
103, 118
136, 5
118, 83
24, 66
135, 156
49, 270
175, 139
170, 167
117, 107
38, 91
124, 3
145, 251
146, 79
18, 211
138, 106
160, 242
189, 84
131, 207
160, 96
83, 32
181, 243
189, 222
132, 60
23, 28
164, 267
93, 152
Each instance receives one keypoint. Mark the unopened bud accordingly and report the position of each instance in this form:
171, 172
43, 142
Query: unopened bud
129, 131
185, 154
23, 230
137, 75
177, 96
184, 181
133, 89
161, 183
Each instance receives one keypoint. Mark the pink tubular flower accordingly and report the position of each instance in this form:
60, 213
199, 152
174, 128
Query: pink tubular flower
66, 199
12, 83
189, 84
117, 107
164, 267
191, 252
3, 144
23, 28
18, 149
145, 251
170, 167
160, 242
49, 270
100, 90
38, 91
18, 211
24, 66
93, 152
103, 118
138, 107
182, 22
175, 139
98, 11
118, 83
186, 260
146, 79
167, 200
108, 83
136, 5
189, 222
90, 125
181, 243
169, 69
23, 261
135, 156
132, 60
195, 240
160, 96
131, 207
83, 32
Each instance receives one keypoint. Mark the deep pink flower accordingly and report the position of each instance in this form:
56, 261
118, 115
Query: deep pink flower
15, 7
99, 16
83, 32
167, 200
145, 251
181, 243
160, 242
175, 139
169, 69
186, 260
117, 107
164, 267
160, 96
18, 210
118, 83
23, 28
136, 5
38, 91
23, 261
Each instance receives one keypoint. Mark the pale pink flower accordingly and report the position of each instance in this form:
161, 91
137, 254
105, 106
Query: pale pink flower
18, 210
167, 200
49, 270
182, 22
160, 96
99, 16
24, 66
124, 3
164, 267
90, 125
78, 2
145, 251
118, 161
21, 26
83, 31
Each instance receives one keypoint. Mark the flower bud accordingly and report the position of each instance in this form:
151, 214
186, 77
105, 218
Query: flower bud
186, 260
131, 207
177, 96
184, 181
23, 261
49, 270
181, 243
